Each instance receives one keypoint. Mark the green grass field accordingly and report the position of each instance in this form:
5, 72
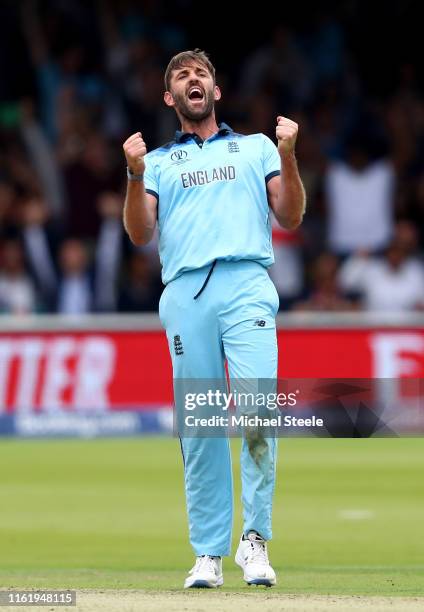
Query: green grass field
348, 516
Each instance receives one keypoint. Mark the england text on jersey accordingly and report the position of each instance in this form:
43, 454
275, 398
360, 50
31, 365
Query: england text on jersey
203, 177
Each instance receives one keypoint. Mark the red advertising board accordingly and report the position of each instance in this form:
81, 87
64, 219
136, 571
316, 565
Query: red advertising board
131, 369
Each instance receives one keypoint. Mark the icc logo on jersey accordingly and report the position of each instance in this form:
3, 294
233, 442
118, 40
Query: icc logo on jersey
179, 156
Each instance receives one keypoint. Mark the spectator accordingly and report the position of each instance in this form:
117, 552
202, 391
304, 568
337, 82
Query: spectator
77, 287
17, 294
40, 239
141, 288
41, 156
279, 67
90, 175
7, 198
325, 294
392, 283
287, 271
360, 201
74, 289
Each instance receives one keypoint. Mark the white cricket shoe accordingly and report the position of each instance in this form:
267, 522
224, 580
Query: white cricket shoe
206, 573
252, 556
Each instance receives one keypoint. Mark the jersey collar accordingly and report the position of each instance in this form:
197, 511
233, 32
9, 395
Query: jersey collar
223, 130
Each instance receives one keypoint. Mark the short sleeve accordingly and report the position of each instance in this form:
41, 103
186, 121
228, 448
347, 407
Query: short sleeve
151, 183
271, 161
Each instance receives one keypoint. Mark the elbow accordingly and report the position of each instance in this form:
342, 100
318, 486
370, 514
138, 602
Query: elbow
290, 217
291, 223
138, 240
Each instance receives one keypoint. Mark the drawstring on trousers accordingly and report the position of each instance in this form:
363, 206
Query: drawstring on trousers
206, 280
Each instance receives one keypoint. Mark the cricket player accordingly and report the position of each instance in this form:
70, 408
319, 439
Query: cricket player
210, 190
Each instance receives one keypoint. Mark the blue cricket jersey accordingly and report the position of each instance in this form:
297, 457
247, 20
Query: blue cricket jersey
212, 200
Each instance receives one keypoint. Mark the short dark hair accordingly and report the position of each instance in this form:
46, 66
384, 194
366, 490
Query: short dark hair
185, 57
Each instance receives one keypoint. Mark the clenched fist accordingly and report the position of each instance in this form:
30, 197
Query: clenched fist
286, 132
135, 150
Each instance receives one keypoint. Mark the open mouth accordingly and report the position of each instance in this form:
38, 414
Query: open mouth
195, 94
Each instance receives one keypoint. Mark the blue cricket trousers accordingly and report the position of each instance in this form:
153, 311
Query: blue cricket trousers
222, 323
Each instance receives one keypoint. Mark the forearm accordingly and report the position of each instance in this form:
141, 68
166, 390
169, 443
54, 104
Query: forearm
33, 32
107, 264
40, 258
139, 219
290, 205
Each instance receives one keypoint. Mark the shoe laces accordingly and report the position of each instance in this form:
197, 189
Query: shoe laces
258, 553
205, 563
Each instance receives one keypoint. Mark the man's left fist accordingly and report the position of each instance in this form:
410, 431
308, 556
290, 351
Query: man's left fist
286, 132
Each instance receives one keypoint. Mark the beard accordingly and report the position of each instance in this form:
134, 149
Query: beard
192, 114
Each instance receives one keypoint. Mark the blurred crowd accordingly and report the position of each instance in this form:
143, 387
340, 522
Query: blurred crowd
77, 78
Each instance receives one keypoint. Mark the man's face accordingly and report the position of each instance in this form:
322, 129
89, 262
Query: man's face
192, 92
73, 257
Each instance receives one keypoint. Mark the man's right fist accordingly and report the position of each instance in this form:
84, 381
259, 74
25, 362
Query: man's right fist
135, 150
